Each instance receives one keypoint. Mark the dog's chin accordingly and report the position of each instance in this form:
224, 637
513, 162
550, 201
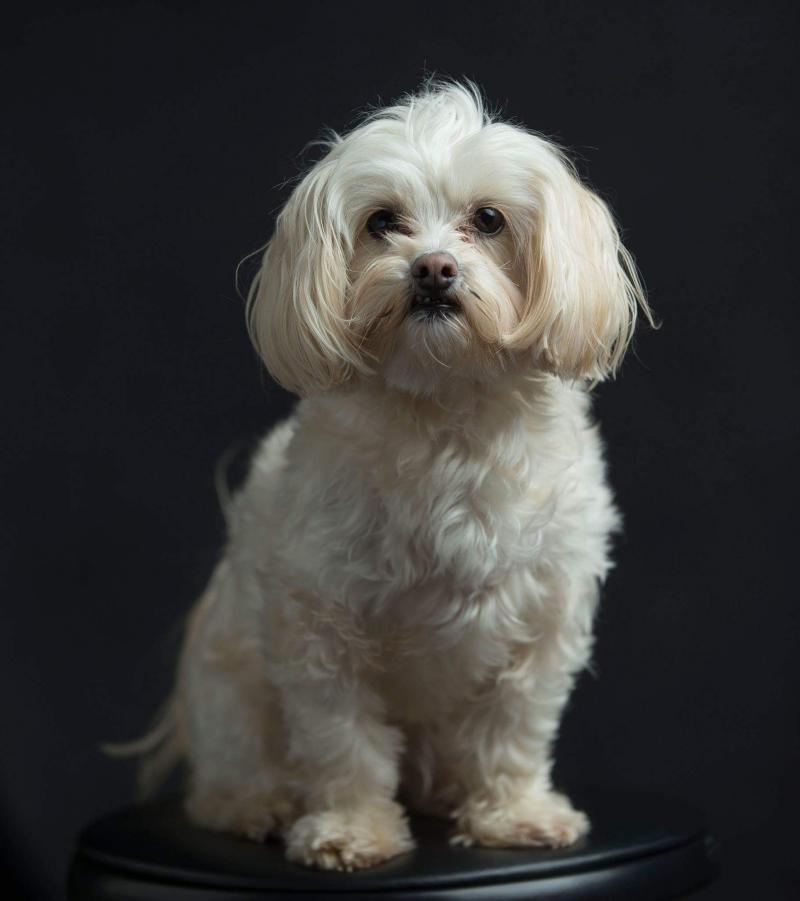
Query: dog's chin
433, 349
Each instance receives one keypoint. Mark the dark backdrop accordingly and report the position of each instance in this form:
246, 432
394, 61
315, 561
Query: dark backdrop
145, 150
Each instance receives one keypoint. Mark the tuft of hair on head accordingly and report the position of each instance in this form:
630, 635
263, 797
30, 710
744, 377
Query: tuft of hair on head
438, 104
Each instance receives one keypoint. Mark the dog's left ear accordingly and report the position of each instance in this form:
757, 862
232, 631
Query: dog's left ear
583, 291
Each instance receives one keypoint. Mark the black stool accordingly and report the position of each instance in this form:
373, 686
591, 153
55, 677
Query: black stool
642, 847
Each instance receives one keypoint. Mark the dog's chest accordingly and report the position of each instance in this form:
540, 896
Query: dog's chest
448, 515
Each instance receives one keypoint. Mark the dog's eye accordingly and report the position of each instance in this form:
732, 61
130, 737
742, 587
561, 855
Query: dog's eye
488, 220
381, 222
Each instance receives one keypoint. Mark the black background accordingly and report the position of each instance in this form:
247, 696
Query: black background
145, 151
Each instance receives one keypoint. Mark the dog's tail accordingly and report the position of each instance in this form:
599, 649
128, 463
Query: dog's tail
160, 749
165, 744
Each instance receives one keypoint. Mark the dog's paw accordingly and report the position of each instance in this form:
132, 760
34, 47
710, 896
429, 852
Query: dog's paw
545, 820
349, 839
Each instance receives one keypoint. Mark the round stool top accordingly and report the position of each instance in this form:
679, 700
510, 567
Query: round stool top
641, 846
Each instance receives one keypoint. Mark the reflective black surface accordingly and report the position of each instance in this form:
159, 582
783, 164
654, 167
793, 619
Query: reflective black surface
639, 842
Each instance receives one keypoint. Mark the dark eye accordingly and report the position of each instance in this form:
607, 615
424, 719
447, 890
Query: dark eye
488, 220
381, 222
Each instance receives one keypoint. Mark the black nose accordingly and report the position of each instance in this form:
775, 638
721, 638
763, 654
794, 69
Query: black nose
434, 272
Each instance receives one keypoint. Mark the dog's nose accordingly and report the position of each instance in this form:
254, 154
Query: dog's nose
434, 271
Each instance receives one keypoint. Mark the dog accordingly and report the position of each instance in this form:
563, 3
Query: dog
413, 564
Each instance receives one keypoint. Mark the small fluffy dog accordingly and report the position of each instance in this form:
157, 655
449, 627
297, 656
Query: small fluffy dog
413, 566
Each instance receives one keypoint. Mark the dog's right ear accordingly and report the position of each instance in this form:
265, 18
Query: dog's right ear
295, 306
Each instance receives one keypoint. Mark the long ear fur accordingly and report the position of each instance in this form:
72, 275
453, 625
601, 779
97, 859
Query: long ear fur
295, 306
583, 288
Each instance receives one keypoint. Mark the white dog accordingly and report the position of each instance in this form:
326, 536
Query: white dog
413, 565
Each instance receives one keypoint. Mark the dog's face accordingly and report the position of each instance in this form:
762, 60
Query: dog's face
432, 247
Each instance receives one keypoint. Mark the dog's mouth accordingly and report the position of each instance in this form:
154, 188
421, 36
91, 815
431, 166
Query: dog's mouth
432, 307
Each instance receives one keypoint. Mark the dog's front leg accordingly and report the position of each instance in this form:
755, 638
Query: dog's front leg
503, 743
347, 759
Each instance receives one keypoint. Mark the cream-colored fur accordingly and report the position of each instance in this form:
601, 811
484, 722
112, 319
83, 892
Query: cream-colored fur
408, 588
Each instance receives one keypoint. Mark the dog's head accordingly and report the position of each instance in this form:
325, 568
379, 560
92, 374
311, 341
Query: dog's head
432, 245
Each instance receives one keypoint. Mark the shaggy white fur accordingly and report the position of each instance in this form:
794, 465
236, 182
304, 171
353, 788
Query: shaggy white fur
408, 589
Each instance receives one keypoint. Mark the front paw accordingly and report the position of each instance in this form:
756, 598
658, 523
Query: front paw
542, 820
349, 839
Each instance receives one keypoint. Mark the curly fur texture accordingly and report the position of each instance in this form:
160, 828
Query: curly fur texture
408, 588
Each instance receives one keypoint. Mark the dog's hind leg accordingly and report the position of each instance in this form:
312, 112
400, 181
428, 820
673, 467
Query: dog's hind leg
238, 778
